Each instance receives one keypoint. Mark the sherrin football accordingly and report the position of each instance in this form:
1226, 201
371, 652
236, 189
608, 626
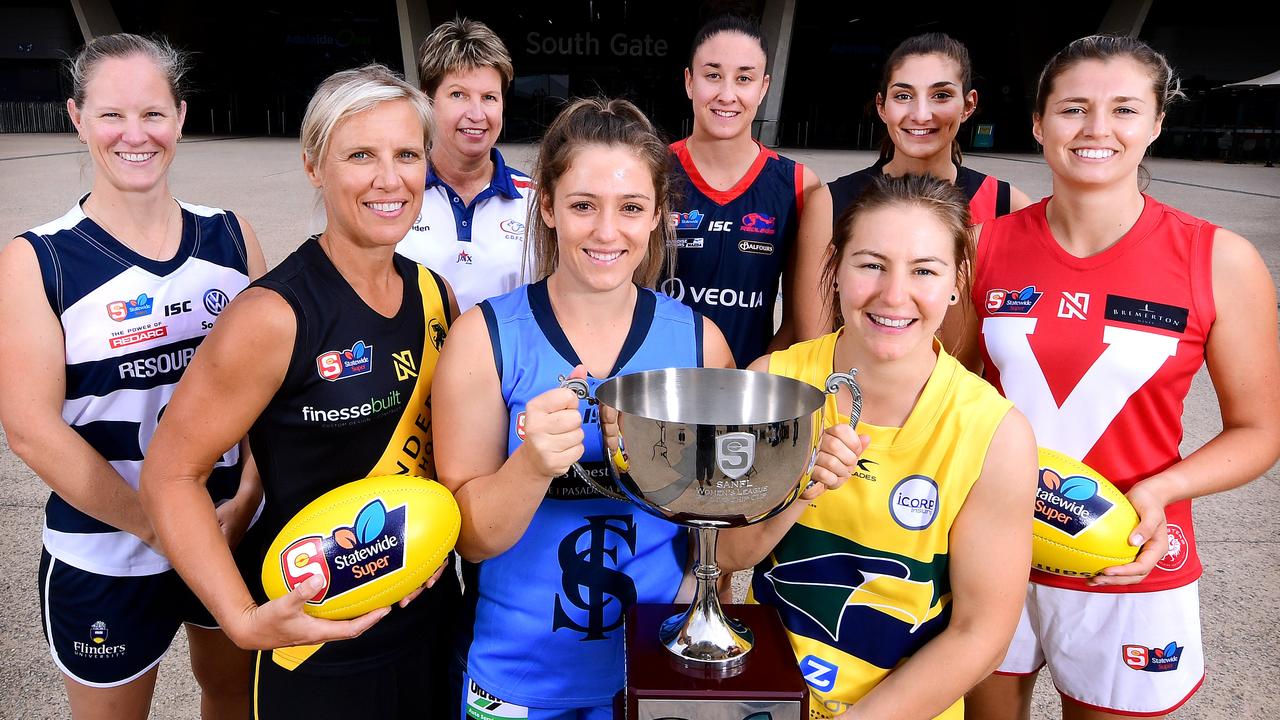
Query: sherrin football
373, 541
1082, 522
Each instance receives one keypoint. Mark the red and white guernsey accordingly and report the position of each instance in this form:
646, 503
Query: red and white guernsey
1099, 352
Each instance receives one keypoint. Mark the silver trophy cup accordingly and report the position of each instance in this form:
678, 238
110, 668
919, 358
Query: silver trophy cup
708, 449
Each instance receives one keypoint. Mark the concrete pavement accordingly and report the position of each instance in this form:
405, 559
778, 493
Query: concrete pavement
262, 180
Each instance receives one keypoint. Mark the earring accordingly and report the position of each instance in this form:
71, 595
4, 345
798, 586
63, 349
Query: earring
954, 297
81, 139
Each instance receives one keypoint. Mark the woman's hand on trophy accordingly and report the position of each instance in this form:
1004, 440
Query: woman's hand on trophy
553, 430
838, 454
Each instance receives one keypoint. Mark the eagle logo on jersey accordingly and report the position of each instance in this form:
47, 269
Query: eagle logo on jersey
871, 596
1013, 302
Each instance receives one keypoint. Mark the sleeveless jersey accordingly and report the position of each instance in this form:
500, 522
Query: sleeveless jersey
732, 246
355, 402
1099, 352
549, 611
130, 326
988, 196
861, 580
479, 247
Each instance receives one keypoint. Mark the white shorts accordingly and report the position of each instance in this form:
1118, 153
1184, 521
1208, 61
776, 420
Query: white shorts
1126, 653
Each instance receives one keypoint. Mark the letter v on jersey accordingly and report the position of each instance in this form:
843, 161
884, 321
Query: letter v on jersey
1130, 359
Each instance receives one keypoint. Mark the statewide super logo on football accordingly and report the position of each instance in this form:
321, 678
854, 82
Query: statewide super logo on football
1070, 503
350, 555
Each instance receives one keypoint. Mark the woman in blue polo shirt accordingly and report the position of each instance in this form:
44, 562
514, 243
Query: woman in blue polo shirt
471, 229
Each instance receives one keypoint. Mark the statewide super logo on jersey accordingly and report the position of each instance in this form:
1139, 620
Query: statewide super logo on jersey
691, 220
340, 365
121, 310
1070, 504
1014, 302
349, 556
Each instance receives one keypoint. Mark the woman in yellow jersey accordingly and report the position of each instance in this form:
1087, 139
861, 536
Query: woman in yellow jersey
900, 572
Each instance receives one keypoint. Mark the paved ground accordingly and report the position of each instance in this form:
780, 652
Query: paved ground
261, 178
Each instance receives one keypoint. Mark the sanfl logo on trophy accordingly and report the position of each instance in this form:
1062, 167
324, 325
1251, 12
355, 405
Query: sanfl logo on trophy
735, 453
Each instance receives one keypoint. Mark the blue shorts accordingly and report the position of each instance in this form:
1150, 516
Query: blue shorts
105, 631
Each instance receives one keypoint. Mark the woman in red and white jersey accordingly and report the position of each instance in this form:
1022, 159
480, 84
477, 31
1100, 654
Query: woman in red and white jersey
1094, 309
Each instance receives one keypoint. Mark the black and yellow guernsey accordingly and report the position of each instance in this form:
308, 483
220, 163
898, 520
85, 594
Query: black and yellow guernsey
355, 402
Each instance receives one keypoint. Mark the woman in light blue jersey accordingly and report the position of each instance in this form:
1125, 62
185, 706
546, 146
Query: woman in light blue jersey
552, 565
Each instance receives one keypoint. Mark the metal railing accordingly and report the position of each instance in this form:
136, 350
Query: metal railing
34, 117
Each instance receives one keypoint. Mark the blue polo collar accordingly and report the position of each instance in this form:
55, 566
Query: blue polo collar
501, 183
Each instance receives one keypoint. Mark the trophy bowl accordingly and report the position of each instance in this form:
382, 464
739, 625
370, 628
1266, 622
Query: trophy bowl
710, 448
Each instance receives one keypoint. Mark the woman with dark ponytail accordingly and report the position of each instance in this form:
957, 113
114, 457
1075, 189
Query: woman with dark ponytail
925, 94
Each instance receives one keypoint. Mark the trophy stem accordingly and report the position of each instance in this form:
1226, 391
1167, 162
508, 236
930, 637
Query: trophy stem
703, 637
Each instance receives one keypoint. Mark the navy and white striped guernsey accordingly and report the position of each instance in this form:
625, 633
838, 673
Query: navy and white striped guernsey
732, 245
548, 612
131, 326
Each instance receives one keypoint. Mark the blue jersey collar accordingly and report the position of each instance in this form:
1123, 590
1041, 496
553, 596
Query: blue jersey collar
501, 183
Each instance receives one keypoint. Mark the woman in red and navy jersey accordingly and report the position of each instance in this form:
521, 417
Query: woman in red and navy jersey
1094, 309
739, 203
925, 94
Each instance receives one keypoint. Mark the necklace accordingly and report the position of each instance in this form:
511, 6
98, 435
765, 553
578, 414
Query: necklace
160, 253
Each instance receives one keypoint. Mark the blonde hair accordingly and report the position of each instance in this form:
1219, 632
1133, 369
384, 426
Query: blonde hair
461, 44
351, 92
612, 123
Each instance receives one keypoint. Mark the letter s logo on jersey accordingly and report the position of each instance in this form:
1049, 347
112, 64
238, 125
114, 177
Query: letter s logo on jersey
339, 365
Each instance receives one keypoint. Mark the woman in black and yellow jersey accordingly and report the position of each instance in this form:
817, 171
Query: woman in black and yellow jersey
326, 363
899, 586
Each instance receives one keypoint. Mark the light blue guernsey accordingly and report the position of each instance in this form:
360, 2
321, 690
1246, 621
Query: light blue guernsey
549, 611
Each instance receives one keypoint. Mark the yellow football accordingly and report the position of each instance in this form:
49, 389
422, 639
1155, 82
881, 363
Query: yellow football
373, 541
1082, 522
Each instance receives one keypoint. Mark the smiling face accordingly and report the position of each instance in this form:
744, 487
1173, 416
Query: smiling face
1098, 120
726, 83
897, 276
371, 174
130, 123
924, 105
604, 212
468, 112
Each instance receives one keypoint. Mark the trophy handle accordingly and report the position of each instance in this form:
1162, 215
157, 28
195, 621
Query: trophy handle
580, 388
833, 383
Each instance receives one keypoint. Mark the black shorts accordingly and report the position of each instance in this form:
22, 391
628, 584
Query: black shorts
105, 631
414, 685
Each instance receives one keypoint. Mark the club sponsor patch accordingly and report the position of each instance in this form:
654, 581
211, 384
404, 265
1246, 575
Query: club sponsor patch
97, 647
372, 547
140, 336
342, 364
123, 310
1146, 313
215, 301
1013, 302
686, 243
818, 673
1070, 504
514, 229
755, 247
914, 502
482, 705
1148, 659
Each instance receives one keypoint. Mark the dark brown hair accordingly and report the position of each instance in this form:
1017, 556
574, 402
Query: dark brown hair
944, 200
600, 121
1164, 83
728, 23
926, 44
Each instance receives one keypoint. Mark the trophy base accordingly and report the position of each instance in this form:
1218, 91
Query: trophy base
722, 645
662, 685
